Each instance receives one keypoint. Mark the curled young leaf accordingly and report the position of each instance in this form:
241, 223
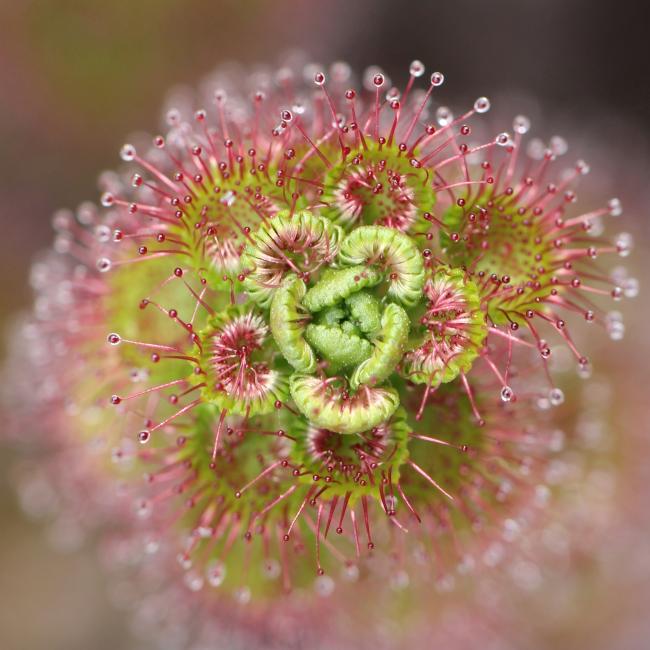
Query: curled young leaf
287, 319
338, 284
391, 251
327, 403
365, 311
388, 348
287, 244
341, 349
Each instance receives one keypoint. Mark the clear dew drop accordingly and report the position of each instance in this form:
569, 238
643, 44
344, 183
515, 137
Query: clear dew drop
127, 152
482, 105
228, 198
511, 530
556, 396
143, 508
506, 394
205, 532
614, 325
583, 167
86, 213
542, 495
151, 546
399, 580
393, 95
104, 264
173, 117
618, 274
62, 243
62, 219
184, 561
558, 145
630, 287
369, 75
615, 208
526, 574
503, 139
613, 317
466, 565
493, 554
596, 227
350, 572
521, 124
243, 595
271, 569
391, 503
103, 233
584, 370
340, 71
624, 244
138, 375
535, 149
193, 581
557, 441
444, 116
445, 583
437, 79
324, 586
215, 574
416, 69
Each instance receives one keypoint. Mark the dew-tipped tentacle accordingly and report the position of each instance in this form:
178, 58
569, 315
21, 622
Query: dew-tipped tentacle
354, 463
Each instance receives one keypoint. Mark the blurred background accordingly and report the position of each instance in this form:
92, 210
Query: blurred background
77, 76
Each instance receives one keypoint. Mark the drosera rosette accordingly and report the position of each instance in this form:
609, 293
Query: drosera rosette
338, 310
322, 348
341, 453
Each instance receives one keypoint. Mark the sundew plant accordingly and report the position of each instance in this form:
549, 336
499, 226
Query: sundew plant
312, 324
